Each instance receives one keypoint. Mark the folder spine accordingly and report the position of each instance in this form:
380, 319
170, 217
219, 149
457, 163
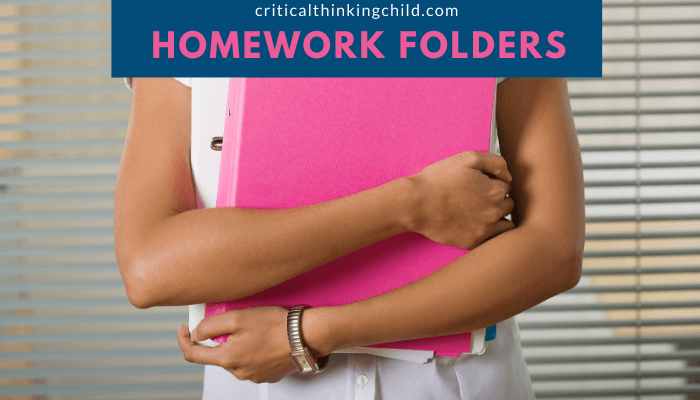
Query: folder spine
230, 153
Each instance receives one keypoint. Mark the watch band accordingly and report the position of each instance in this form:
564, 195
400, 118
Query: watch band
301, 356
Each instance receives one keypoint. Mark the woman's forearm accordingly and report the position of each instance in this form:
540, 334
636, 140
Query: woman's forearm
499, 279
246, 251
170, 252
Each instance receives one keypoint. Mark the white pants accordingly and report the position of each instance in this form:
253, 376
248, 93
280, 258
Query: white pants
499, 374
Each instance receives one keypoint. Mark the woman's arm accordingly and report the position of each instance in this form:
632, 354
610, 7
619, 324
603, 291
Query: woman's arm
506, 275
171, 253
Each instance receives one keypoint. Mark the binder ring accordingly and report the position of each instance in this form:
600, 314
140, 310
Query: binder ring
217, 143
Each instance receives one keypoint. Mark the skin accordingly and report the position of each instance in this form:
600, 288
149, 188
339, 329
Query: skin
458, 201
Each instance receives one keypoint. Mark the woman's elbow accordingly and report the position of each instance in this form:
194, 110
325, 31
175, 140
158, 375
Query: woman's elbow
139, 290
138, 281
570, 257
572, 267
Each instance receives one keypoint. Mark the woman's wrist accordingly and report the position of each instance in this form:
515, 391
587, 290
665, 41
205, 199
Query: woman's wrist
318, 327
407, 195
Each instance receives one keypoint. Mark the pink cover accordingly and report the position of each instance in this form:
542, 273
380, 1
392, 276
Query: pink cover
291, 142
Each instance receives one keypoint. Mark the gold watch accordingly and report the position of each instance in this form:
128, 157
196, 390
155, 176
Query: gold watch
302, 357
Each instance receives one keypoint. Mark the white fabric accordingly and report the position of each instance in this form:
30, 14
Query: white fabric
500, 373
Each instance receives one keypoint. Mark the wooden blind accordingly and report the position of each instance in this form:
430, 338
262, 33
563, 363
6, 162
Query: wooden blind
67, 330
631, 328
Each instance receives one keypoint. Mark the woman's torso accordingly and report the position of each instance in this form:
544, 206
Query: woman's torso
500, 373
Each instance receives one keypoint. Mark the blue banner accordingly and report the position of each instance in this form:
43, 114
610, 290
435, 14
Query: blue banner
216, 38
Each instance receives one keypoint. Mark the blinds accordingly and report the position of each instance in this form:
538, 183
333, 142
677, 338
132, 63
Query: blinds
67, 330
631, 328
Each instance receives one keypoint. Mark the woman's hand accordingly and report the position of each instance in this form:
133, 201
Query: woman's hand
257, 348
461, 200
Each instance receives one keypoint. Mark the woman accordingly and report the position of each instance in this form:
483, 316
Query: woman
164, 243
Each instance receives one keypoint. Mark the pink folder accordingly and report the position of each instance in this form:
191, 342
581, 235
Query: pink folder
290, 142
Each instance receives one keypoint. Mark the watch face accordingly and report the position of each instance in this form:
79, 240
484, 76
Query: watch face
303, 363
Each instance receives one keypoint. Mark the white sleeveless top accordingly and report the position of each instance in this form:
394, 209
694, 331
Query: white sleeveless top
500, 373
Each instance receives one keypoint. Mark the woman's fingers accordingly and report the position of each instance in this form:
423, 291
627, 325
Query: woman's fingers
215, 325
504, 186
257, 378
502, 225
196, 353
507, 206
492, 164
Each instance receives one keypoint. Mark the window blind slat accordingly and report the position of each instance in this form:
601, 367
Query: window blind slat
607, 95
35, 19
596, 113
645, 391
64, 108
36, 37
62, 144
651, 129
647, 200
52, 199
643, 270
38, 91
643, 4
641, 165
611, 340
123, 371
18, 234
57, 162
578, 376
56, 126
57, 180
616, 306
587, 358
35, 2
643, 253
633, 288
643, 76
644, 182
58, 72
39, 216
642, 147
611, 323
32, 55
645, 218
151, 387
669, 21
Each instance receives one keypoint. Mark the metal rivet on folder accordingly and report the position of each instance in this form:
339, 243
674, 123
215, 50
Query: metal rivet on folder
229, 111
217, 143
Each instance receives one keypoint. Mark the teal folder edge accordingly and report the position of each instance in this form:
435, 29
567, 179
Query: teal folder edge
490, 333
